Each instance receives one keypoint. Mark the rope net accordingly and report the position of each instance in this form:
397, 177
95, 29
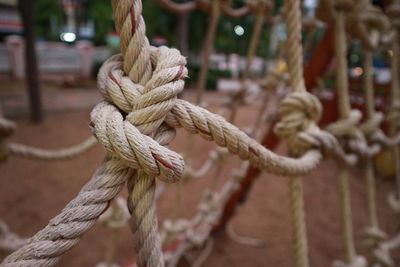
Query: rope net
140, 112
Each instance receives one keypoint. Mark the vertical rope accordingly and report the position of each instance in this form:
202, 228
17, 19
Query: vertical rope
293, 45
373, 228
342, 89
298, 220
368, 84
346, 215
342, 85
395, 96
255, 38
208, 47
135, 50
371, 199
295, 68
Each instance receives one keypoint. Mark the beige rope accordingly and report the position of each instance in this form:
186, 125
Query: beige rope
7, 128
346, 126
394, 112
374, 234
207, 49
47, 154
305, 119
147, 105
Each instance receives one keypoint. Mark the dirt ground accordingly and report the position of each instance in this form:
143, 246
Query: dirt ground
33, 192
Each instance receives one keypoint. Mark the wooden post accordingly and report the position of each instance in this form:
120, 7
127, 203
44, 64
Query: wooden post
26, 8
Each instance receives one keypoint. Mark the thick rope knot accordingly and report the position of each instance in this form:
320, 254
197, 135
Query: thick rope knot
348, 131
299, 114
346, 127
7, 128
358, 261
129, 124
174, 228
372, 125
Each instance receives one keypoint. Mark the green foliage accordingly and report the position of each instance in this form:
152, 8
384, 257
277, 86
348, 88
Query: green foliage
159, 23
45, 10
100, 12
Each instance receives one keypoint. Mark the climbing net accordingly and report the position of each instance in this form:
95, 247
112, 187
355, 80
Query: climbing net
140, 113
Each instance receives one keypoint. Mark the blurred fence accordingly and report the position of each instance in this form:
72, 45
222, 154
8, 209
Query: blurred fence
57, 61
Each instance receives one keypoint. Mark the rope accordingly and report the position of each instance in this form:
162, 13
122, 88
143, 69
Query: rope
295, 118
47, 154
7, 129
394, 111
156, 90
134, 124
207, 49
298, 221
346, 126
374, 235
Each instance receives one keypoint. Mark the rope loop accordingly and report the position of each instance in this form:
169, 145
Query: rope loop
7, 129
130, 122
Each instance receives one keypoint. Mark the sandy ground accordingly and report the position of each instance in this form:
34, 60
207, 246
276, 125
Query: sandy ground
33, 192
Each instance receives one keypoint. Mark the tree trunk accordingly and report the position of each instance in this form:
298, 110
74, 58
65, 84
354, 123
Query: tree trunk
26, 8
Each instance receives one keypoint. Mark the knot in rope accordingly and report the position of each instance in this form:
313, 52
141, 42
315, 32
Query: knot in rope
175, 227
394, 202
210, 202
394, 112
374, 235
299, 114
346, 127
359, 261
382, 255
371, 125
7, 128
348, 131
130, 122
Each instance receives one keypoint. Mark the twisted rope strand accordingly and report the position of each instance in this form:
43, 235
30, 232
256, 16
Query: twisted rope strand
47, 154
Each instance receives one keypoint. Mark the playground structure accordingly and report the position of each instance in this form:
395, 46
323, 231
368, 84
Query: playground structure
140, 112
